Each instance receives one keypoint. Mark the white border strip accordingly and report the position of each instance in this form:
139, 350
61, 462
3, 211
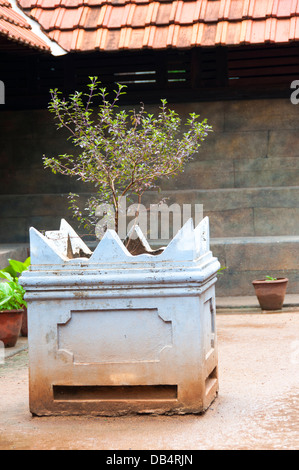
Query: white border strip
56, 50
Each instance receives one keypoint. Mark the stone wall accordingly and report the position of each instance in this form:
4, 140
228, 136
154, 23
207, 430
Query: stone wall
254, 144
246, 176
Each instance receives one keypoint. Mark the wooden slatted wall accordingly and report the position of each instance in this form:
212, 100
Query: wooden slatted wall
199, 74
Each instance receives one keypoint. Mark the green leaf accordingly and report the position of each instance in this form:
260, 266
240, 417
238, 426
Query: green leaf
11, 293
6, 300
6, 289
27, 263
6, 275
221, 269
16, 265
9, 270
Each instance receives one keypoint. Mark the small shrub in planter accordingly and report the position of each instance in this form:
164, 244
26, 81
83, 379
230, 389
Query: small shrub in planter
271, 292
15, 269
11, 309
120, 153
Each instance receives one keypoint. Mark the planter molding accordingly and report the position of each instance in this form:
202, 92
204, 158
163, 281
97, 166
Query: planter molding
111, 333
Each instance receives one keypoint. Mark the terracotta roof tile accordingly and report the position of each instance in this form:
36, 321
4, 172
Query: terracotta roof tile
14, 27
86, 25
163, 14
235, 10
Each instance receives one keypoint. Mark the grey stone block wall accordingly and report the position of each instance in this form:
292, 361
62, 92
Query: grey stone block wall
253, 258
241, 212
253, 144
16, 252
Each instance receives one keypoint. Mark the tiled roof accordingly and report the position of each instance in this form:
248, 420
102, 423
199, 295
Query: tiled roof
13, 26
85, 25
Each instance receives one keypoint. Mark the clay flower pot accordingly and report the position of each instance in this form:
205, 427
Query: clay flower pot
10, 326
271, 294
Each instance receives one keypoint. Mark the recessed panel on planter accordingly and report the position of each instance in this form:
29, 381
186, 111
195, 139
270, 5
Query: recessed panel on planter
107, 336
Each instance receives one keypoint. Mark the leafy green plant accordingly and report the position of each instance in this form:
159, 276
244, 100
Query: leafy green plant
269, 278
120, 153
15, 268
221, 269
11, 293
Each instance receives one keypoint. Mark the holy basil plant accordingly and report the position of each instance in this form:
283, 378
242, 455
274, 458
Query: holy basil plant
120, 153
11, 293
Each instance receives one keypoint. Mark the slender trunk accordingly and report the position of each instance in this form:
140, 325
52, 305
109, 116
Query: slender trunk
136, 218
116, 219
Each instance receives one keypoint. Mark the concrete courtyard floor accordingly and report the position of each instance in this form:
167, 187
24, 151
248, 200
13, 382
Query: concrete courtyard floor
257, 406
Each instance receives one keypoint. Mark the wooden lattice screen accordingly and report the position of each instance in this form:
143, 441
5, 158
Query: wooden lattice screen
198, 74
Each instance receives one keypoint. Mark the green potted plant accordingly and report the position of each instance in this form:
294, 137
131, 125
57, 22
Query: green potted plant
15, 269
271, 292
11, 309
119, 153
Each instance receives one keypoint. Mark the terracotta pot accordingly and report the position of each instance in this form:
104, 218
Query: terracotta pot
24, 329
271, 294
10, 326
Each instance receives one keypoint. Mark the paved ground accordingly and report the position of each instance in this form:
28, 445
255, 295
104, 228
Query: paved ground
257, 407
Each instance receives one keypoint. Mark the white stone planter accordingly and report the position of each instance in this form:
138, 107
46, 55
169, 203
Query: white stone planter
115, 333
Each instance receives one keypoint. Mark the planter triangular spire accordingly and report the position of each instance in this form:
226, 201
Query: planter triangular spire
182, 246
110, 249
43, 250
